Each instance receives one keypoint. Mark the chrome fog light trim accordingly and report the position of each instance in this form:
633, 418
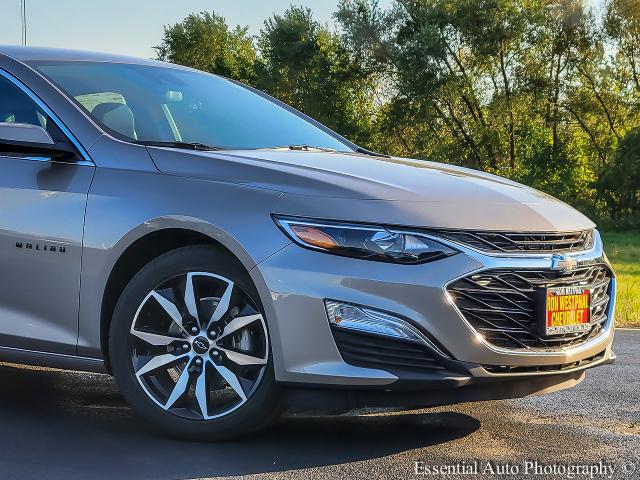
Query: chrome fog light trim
366, 320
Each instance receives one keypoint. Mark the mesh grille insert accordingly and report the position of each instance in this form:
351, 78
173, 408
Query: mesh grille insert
501, 304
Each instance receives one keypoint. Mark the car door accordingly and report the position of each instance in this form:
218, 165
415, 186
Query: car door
42, 207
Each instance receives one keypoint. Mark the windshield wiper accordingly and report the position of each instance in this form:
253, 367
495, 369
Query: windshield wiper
301, 147
184, 145
308, 148
364, 151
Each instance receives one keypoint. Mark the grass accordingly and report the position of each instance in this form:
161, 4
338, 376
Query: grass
623, 250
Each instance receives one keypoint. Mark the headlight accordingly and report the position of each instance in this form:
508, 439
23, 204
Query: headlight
363, 241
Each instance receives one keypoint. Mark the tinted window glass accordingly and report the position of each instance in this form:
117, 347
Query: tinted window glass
155, 104
17, 107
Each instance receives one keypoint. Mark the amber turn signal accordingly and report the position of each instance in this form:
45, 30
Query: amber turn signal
314, 236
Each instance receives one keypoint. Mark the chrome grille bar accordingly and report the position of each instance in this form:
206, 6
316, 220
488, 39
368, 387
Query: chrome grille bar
520, 242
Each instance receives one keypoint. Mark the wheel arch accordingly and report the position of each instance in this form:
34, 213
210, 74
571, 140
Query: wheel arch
143, 248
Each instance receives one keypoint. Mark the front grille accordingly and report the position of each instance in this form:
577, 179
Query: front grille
514, 242
501, 304
371, 351
543, 368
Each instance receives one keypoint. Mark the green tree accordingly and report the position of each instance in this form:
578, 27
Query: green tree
305, 65
620, 183
205, 41
481, 82
622, 26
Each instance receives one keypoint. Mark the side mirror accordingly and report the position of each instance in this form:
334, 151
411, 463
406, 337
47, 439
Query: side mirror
23, 137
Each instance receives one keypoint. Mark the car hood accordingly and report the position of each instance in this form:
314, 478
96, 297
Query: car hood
379, 189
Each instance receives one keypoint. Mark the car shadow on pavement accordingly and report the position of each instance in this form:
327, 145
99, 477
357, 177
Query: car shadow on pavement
75, 425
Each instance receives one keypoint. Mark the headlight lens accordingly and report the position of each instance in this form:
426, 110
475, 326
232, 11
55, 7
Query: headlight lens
362, 241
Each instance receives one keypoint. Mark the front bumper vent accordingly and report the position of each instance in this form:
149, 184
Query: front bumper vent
371, 351
501, 304
515, 369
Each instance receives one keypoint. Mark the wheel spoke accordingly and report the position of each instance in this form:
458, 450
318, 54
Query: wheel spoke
190, 297
153, 338
202, 392
239, 323
180, 388
157, 362
242, 358
170, 308
231, 379
223, 305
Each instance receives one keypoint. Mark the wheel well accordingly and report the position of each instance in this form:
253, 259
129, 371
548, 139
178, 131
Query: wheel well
136, 256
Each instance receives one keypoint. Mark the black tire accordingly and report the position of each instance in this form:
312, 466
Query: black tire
260, 408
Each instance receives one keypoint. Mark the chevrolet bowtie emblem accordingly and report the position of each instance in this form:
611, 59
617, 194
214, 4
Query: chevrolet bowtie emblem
563, 264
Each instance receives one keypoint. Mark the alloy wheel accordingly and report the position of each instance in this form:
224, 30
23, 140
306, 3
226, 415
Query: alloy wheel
199, 346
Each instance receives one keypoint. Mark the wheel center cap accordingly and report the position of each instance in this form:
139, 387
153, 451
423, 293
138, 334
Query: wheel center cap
201, 345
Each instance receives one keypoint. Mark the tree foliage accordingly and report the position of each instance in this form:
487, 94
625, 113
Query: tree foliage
305, 65
620, 182
205, 41
546, 92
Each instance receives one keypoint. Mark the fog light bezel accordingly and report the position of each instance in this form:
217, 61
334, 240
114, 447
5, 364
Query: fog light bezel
371, 321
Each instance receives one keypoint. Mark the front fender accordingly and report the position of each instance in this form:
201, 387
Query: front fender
124, 206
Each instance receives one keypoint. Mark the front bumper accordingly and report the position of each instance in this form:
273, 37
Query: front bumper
295, 282
438, 390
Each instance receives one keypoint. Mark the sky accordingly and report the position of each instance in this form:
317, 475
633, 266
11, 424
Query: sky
131, 27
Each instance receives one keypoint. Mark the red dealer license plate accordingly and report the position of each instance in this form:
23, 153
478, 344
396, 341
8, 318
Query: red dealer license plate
568, 310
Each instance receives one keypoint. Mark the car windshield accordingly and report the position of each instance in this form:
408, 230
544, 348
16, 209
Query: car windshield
182, 108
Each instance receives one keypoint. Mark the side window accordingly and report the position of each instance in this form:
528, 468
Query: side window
17, 107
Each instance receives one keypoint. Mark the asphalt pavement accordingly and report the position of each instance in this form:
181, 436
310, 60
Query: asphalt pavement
65, 425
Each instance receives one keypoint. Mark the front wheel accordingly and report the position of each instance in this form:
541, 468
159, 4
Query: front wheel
190, 347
